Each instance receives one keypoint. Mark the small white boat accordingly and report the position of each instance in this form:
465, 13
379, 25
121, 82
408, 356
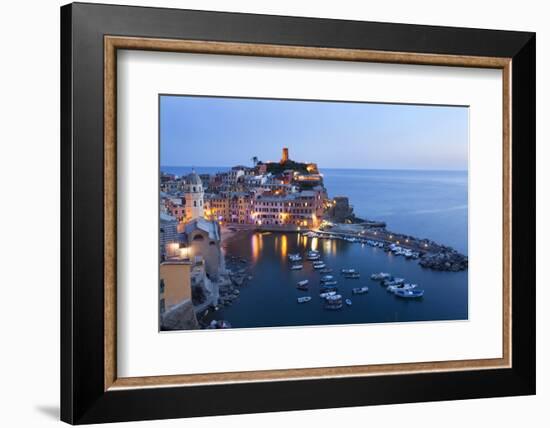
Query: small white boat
354, 275
326, 270
319, 266
296, 267
393, 288
313, 257
348, 302
295, 257
327, 278
360, 290
347, 270
333, 302
409, 294
380, 276
326, 294
329, 283
304, 282
303, 299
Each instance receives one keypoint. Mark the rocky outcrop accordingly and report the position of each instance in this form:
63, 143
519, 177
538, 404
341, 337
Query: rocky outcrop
180, 317
447, 260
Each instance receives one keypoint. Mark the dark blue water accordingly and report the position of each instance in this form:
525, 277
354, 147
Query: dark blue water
269, 298
425, 204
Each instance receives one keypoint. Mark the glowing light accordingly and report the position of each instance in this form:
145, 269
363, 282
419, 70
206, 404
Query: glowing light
255, 247
314, 242
284, 246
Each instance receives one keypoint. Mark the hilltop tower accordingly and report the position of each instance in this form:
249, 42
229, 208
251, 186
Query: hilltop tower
285, 158
194, 197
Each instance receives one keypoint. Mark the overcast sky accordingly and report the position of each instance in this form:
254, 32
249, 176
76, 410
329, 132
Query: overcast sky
210, 131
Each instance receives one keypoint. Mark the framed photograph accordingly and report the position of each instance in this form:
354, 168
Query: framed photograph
266, 213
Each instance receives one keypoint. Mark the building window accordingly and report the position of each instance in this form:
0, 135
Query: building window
195, 203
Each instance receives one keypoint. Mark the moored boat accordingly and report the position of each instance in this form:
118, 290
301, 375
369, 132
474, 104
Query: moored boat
296, 267
328, 283
354, 275
344, 271
326, 294
360, 290
319, 266
303, 285
409, 294
326, 270
295, 257
304, 299
393, 288
327, 278
333, 302
380, 276
348, 302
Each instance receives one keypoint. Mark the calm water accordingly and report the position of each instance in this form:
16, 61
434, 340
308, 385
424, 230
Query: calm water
269, 299
426, 204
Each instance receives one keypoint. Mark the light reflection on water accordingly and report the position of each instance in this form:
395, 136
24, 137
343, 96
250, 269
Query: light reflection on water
269, 298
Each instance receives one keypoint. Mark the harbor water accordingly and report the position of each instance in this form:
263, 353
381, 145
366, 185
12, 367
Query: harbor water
269, 299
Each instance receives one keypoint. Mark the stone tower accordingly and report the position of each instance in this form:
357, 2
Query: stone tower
285, 155
194, 197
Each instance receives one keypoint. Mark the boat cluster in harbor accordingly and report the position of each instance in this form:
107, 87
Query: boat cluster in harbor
329, 295
429, 254
398, 286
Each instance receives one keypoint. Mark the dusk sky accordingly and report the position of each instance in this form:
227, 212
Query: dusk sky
210, 131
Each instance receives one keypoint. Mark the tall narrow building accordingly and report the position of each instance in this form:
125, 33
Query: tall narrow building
284, 158
194, 197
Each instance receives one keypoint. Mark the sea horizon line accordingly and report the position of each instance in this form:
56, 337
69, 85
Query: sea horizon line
324, 168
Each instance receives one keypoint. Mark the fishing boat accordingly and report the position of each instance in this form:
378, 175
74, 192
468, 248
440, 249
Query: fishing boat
294, 257
296, 267
344, 271
380, 276
327, 278
326, 294
393, 281
334, 302
393, 288
303, 299
360, 290
313, 255
354, 275
348, 302
409, 294
303, 285
319, 266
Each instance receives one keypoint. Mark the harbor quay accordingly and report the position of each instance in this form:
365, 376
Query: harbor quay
202, 216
